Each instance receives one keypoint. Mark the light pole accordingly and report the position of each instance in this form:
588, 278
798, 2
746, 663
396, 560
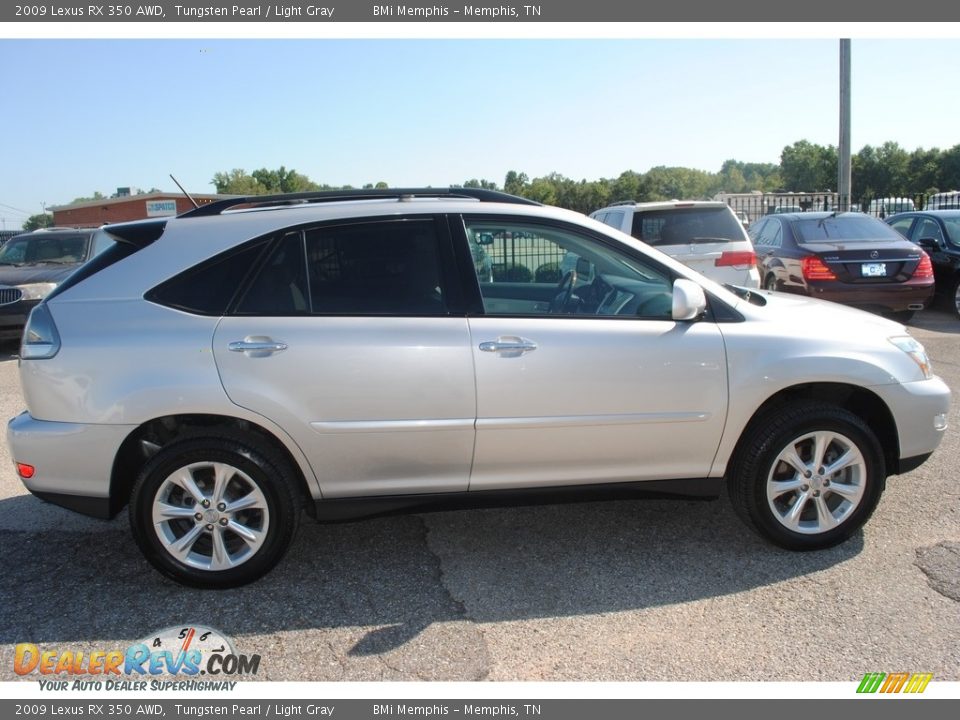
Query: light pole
844, 179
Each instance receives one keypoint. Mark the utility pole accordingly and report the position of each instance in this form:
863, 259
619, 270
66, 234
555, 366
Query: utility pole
844, 179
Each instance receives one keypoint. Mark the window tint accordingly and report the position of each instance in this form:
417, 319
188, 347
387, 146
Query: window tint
208, 288
680, 226
928, 228
544, 270
48, 249
902, 225
280, 287
849, 228
377, 268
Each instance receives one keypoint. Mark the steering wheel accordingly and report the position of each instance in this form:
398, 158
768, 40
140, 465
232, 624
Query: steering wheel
564, 292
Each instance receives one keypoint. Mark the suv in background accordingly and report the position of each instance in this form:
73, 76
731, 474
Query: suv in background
32, 264
702, 234
347, 354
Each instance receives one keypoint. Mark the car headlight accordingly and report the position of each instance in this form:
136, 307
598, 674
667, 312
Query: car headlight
36, 291
916, 352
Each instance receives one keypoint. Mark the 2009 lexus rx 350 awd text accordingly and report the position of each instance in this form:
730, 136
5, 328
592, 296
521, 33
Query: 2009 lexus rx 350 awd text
221, 371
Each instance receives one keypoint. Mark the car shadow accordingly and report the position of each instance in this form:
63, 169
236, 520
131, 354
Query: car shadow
393, 578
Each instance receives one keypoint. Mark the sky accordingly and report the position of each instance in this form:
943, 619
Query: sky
93, 115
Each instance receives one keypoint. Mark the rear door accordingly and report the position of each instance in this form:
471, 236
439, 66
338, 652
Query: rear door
350, 338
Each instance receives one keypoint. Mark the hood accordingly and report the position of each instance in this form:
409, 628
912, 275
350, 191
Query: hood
25, 274
813, 318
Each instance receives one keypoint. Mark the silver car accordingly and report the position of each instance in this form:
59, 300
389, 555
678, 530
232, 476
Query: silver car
221, 371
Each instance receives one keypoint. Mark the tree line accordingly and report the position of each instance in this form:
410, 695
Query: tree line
884, 171
887, 170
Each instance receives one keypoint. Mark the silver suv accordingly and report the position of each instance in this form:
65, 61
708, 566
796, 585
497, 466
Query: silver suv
702, 234
221, 371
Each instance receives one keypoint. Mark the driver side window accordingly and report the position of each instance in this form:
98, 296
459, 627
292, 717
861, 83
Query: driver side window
530, 269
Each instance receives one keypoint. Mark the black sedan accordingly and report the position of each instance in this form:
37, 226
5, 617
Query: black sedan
33, 264
938, 233
850, 258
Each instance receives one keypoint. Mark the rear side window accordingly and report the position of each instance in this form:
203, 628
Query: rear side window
208, 288
680, 226
375, 268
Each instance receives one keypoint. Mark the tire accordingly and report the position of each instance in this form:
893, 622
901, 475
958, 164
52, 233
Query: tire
953, 299
796, 510
189, 536
770, 283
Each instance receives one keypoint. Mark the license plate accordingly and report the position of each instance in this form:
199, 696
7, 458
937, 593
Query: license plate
873, 270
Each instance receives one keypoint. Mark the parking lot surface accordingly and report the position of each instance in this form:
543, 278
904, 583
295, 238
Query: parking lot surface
624, 590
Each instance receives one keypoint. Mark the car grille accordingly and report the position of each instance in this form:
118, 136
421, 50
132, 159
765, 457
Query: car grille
8, 296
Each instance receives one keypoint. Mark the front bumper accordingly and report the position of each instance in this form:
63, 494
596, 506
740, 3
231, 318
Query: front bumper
73, 462
920, 410
13, 318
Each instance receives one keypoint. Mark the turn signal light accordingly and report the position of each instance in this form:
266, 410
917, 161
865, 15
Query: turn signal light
25, 471
746, 258
814, 268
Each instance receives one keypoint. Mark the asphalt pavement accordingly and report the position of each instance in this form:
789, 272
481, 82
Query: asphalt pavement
627, 590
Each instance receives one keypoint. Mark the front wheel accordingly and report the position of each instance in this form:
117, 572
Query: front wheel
214, 512
807, 476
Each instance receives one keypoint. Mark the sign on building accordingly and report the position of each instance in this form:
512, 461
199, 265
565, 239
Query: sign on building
161, 208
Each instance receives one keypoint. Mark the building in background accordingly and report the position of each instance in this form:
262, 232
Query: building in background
126, 206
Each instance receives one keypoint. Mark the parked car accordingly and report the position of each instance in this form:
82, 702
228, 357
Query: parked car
220, 371
949, 200
32, 264
883, 207
704, 235
849, 258
938, 233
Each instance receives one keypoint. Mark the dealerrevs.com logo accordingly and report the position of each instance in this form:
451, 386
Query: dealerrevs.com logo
902, 682
190, 651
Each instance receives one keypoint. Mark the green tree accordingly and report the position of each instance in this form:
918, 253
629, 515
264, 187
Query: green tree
807, 167
515, 182
40, 220
237, 182
96, 196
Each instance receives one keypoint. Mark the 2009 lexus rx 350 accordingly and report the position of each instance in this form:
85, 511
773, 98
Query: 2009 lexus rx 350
221, 371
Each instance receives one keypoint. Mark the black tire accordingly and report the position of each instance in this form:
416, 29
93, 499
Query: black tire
252, 471
953, 298
757, 464
770, 283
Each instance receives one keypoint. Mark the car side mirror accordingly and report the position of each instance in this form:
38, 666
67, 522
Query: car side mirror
929, 244
689, 300
485, 239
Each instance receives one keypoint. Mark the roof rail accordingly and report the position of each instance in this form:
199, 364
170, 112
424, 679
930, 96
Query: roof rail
305, 198
623, 202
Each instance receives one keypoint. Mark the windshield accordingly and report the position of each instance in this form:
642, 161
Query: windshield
680, 226
848, 228
44, 249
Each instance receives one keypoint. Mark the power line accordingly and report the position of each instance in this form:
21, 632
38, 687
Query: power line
11, 207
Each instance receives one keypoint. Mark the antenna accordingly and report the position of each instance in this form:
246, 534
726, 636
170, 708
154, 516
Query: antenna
195, 205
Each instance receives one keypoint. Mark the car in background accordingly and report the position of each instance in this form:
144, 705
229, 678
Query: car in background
938, 233
949, 200
703, 234
850, 258
884, 207
33, 264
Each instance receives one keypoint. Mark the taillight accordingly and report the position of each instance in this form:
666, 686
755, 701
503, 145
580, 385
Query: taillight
40, 337
924, 269
814, 268
747, 258
25, 471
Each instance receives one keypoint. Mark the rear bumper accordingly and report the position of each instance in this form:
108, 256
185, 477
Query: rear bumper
892, 298
73, 463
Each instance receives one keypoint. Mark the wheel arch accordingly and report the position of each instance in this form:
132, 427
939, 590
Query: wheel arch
143, 442
862, 402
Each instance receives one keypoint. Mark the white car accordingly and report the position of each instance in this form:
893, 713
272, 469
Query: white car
702, 234
346, 354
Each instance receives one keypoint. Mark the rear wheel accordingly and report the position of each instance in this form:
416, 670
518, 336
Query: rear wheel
807, 476
214, 512
771, 282
954, 296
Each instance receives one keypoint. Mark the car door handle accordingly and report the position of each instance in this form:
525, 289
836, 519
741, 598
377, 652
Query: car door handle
509, 346
257, 346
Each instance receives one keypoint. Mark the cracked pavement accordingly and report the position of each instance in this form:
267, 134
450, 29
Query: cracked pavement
624, 590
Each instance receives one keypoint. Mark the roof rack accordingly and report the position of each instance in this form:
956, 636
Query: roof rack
306, 198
